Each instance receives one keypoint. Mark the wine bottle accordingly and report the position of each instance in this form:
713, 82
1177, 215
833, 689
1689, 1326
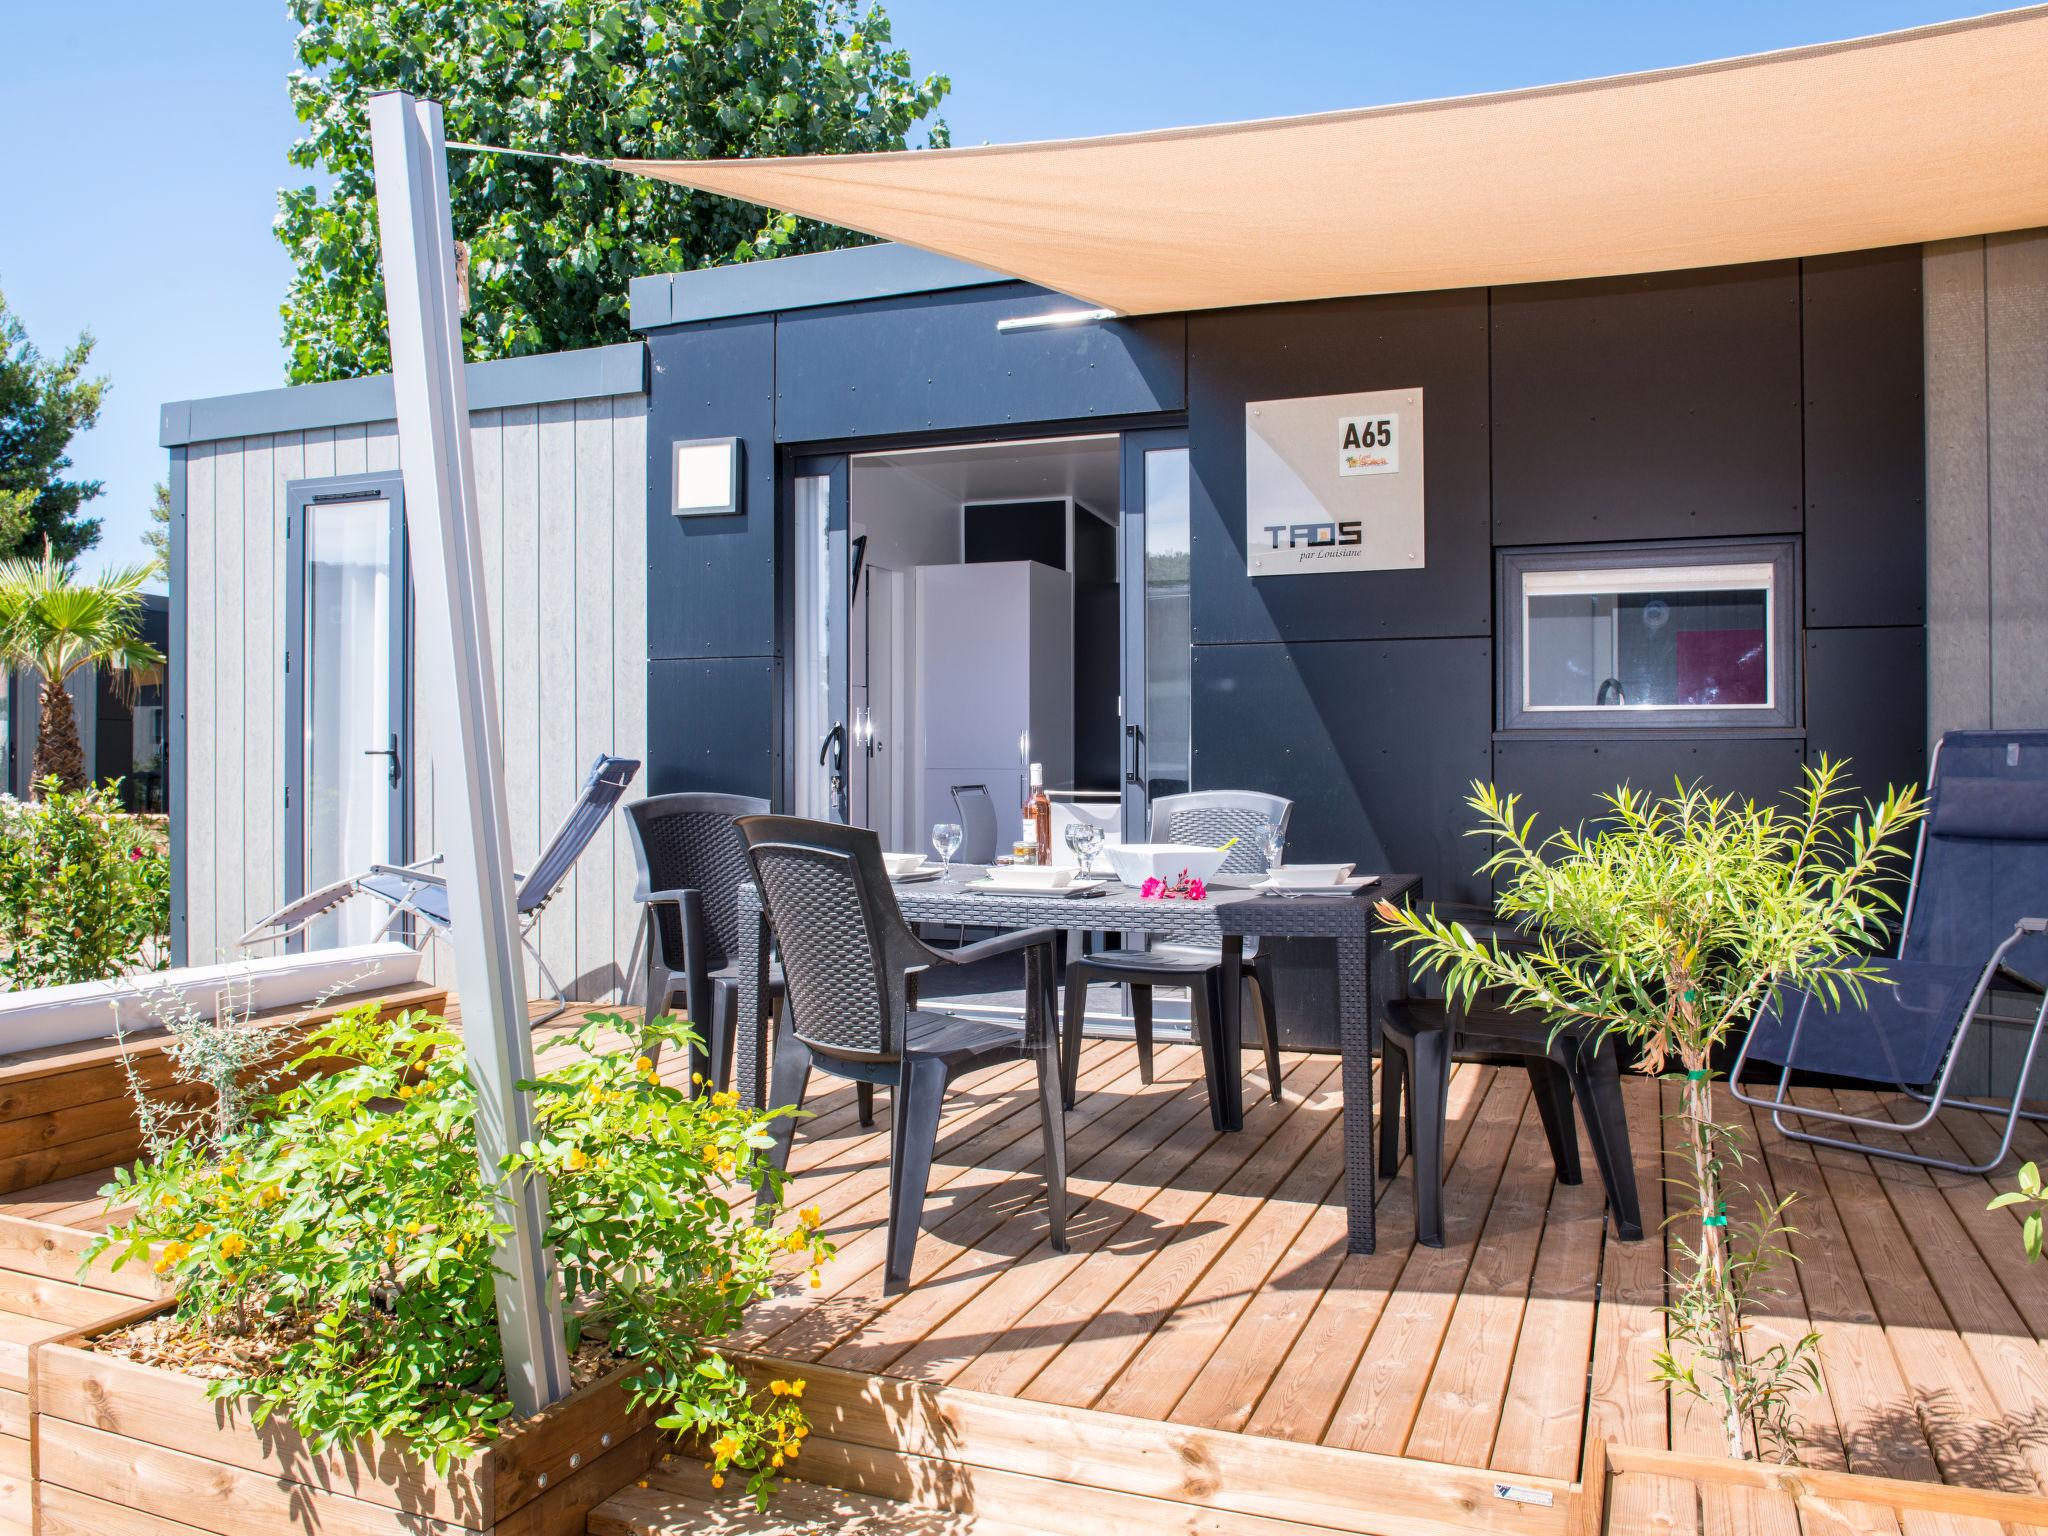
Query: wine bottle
1038, 821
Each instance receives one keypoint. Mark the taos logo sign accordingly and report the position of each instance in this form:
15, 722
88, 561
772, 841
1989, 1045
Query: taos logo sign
1369, 445
1314, 535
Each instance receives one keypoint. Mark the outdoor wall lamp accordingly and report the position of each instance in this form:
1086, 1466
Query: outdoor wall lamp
706, 477
1055, 319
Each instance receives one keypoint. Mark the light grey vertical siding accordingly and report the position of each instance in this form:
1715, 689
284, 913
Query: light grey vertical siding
561, 493
1987, 481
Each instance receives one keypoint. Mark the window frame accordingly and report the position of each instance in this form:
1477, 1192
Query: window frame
1514, 566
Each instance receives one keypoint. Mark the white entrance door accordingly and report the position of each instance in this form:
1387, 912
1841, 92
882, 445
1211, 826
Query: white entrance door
346, 788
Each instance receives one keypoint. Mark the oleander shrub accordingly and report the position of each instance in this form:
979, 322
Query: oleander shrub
85, 888
333, 1256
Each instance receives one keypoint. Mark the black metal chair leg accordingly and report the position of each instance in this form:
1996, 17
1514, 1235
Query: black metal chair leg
791, 1078
1552, 1089
1070, 1032
1428, 1105
1596, 1084
1269, 1026
1141, 1021
1393, 1074
919, 1097
864, 1095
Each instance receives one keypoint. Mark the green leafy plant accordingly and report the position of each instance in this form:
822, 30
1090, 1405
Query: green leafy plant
55, 621
553, 245
1671, 923
85, 889
2030, 1192
45, 402
337, 1255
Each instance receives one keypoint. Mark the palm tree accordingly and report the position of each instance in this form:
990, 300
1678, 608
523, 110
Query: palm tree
56, 623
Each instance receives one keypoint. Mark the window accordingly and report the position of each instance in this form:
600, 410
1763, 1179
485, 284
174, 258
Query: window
1633, 636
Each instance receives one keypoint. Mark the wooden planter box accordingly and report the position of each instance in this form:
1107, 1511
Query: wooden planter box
122, 1449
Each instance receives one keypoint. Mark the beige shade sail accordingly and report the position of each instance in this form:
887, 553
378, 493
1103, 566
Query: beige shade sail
1911, 136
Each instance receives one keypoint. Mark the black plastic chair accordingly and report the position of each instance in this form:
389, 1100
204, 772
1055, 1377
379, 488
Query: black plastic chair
1428, 1035
1207, 818
692, 860
1976, 916
845, 951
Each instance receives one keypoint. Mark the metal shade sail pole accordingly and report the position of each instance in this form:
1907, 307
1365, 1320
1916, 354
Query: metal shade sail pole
458, 687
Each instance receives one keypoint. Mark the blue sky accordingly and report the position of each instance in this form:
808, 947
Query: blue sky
147, 140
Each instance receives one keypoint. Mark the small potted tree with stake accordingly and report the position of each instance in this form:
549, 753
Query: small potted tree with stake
1671, 923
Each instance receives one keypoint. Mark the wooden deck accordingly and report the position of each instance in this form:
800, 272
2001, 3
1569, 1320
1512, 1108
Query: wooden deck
1207, 1357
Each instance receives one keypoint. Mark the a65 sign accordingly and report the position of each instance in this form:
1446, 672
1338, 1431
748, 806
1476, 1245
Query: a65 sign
1369, 445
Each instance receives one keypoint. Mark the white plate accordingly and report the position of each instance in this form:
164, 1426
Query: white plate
1335, 888
1072, 888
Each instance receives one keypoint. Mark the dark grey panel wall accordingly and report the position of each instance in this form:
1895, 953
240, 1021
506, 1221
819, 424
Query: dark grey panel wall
1866, 456
1376, 743
1562, 781
711, 586
711, 726
936, 363
1866, 702
1650, 407
1437, 341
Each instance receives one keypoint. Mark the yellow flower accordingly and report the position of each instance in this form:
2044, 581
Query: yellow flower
792, 1448
233, 1245
201, 1230
796, 1388
173, 1252
578, 1160
811, 1216
725, 1448
271, 1195
816, 1279
717, 1481
391, 1245
643, 1064
778, 1387
776, 1460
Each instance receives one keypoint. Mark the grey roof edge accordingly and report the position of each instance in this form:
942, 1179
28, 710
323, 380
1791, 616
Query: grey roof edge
588, 374
798, 282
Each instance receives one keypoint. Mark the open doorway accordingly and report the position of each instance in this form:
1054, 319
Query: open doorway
963, 611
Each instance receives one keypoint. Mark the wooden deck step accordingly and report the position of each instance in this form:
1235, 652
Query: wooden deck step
678, 1499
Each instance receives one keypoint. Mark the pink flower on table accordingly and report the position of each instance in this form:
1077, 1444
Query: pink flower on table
1196, 890
1152, 889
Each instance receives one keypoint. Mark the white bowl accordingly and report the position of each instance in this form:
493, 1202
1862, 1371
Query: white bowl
1033, 877
1296, 875
1135, 863
901, 864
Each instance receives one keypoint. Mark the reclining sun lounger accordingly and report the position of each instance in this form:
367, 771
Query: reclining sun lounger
420, 893
1976, 914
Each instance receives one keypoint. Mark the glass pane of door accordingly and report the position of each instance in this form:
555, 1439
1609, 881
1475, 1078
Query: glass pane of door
1153, 577
819, 748
351, 743
1167, 632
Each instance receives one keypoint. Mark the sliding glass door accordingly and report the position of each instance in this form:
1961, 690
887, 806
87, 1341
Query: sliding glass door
345, 669
1153, 563
820, 753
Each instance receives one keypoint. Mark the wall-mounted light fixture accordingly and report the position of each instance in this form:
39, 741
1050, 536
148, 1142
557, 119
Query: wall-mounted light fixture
1055, 319
706, 477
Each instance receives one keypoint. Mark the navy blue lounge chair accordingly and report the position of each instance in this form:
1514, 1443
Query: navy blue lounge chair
419, 892
1976, 915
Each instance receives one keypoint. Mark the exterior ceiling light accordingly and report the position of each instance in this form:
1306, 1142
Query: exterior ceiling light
1055, 320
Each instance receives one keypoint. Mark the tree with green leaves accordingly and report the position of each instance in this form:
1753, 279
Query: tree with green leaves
157, 536
55, 622
551, 245
1673, 922
44, 404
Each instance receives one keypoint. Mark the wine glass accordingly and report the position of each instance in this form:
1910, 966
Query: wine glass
1084, 841
946, 842
1273, 843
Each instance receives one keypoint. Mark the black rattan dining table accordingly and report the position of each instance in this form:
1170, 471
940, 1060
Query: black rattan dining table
1367, 978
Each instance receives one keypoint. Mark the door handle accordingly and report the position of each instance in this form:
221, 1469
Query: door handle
1135, 774
834, 749
390, 752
